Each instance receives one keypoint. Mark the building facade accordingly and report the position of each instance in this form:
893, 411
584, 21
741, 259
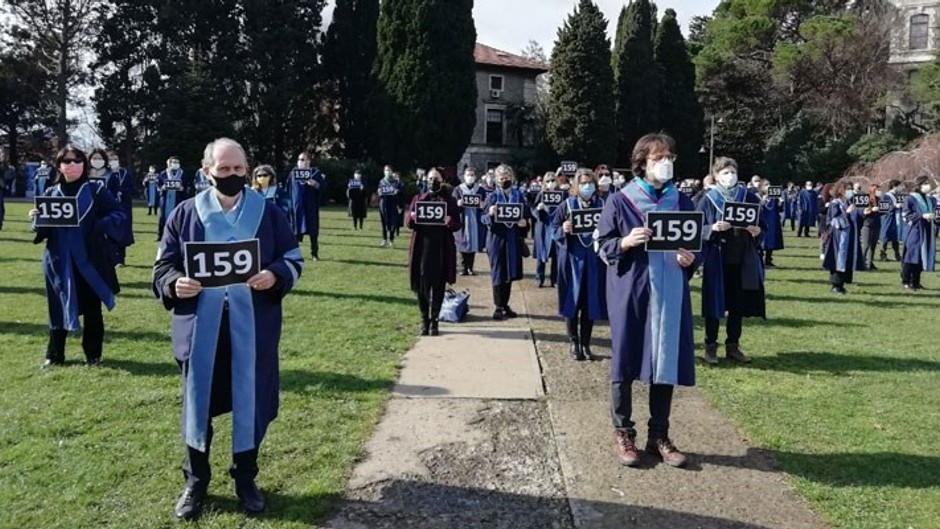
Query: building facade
914, 43
507, 93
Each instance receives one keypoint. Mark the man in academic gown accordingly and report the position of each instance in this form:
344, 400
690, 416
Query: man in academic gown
174, 186
226, 339
121, 186
920, 237
807, 209
471, 237
306, 185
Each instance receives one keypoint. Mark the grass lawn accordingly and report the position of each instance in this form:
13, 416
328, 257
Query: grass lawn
844, 391
100, 447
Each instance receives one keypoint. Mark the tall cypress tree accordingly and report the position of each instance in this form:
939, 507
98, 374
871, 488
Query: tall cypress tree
581, 105
636, 76
680, 112
348, 56
425, 93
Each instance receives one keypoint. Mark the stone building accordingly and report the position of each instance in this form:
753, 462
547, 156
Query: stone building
914, 42
507, 91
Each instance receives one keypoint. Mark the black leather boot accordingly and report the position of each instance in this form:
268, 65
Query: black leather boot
189, 505
425, 326
435, 328
587, 329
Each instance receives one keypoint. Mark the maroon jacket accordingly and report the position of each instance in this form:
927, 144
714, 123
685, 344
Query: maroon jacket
453, 224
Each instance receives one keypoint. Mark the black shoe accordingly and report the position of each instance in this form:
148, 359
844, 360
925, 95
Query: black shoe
499, 315
839, 290
93, 361
465, 272
510, 313
250, 497
51, 363
435, 330
576, 352
769, 264
425, 327
586, 352
540, 284
905, 287
189, 506
883, 256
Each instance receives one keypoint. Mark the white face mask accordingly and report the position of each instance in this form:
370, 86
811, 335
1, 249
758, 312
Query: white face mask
662, 171
728, 178
564, 187
469, 179
174, 166
115, 164
357, 176
388, 173
303, 164
925, 188
551, 185
97, 163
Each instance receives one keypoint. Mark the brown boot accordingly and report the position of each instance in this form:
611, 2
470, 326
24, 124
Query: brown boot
734, 352
665, 450
711, 354
625, 444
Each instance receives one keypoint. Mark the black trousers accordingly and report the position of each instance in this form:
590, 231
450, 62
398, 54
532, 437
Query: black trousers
803, 230
389, 229
582, 336
733, 325
910, 274
467, 259
92, 325
501, 295
768, 256
621, 403
430, 298
895, 245
314, 243
358, 222
837, 279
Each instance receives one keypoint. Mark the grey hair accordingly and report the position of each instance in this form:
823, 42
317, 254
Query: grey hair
582, 172
208, 156
723, 163
504, 169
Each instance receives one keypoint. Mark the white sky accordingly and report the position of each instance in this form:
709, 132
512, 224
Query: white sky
510, 24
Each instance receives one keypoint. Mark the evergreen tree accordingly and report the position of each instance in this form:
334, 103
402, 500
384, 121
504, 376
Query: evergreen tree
24, 105
581, 104
348, 57
637, 79
425, 99
680, 112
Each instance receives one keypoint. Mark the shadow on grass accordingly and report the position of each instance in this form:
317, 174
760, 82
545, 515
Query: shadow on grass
39, 290
368, 263
307, 382
42, 329
826, 297
300, 508
801, 362
874, 469
378, 298
143, 369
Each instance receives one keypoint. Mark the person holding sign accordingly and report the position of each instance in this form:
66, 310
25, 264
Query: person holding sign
546, 202
648, 301
226, 261
390, 204
582, 275
841, 248
770, 213
175, 186
892, 223
432, 256
306, 186
42, 178
120, 183
732, 273
471, 236
504, 215
789, 204
920, 239
807, 209
358, 200
151, 183
868, 220
74, 217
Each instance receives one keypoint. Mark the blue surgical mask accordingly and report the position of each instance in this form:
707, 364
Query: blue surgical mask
587, 190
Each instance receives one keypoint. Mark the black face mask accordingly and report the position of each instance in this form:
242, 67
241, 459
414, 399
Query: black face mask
505, 184
435, 186
230, 186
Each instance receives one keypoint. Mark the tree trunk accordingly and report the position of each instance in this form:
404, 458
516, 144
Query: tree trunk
62, 73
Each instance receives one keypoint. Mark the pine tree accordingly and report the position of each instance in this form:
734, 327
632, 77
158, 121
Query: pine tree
680, 112
426, 96
348, 56
636, 77
581, 105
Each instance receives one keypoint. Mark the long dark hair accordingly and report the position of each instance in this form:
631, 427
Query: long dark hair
76, 153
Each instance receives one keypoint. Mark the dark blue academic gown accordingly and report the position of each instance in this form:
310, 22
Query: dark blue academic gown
305, 201
503, 240
579, 266
807, 208
920, 238
80, 250
276, 195
41, 180
789, 205
748, 300
470, 238
390, 202
545, 233
151, 189
892, 223
648, 296
121, 186
170, 198
842, 245
255, 339
772, 238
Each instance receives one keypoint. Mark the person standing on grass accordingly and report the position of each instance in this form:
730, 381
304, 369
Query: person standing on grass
42, 178
840, 245
892, 223
868, 220
225, 340
358, 197
504, 245
648, 301
545, 234
79, 275
807, 209
582, 296
732, 272
174, 186
151, 183
772, 239
121, 185
432, 255
390, 205
264, 181
471, 235
920, 238
306, 185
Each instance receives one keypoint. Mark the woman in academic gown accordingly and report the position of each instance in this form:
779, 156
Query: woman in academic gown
582, 296
504, 242
432, 255
151, 191
358, 196
841, 242
892, 224
471, 237
307, 188
732, 272
920, 238
390, 205
79, 274
545, 234
121, 185
772, 239
869, 226
264, 181
648, 301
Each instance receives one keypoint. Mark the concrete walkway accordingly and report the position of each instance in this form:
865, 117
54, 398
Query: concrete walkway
491, 425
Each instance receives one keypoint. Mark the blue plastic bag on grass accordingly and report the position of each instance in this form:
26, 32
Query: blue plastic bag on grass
455, 306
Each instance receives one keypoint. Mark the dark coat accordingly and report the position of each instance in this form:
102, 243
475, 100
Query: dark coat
415, 249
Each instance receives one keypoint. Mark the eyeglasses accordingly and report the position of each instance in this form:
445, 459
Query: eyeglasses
69, 161
670, 157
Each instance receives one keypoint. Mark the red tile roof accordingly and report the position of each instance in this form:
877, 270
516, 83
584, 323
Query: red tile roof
484, 54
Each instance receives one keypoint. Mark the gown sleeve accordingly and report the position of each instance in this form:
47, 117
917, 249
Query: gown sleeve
169, 265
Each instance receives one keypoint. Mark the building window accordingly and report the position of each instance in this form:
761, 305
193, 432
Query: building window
919, 32
494, 126
496, 82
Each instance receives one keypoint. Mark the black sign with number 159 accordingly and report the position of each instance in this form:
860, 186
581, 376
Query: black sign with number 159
220, 264
741, 214
585, 220
673, 230
431, 213
508, 212
57, 212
